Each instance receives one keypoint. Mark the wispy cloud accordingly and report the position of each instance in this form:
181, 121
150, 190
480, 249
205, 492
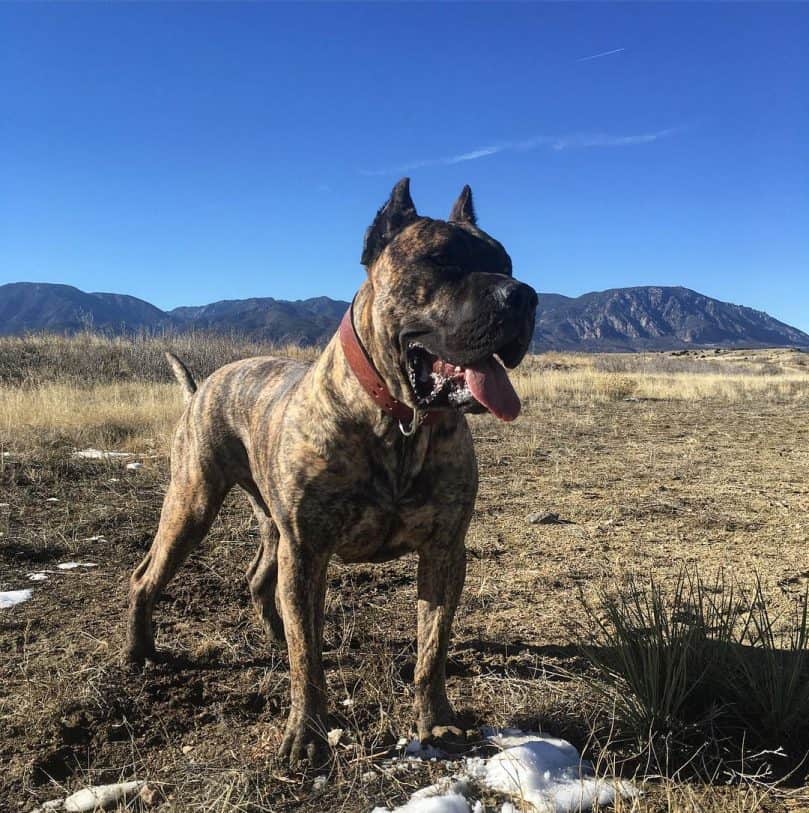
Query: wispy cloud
565, 142
581, 141
472, 155
603, 53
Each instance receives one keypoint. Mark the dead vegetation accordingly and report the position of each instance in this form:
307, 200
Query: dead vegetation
715, 474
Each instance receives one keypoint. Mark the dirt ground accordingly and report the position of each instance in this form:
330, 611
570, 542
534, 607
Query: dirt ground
639, 487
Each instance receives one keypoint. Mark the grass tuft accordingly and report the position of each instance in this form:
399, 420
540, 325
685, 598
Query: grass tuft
702, 662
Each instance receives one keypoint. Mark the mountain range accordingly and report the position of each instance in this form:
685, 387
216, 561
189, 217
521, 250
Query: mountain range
619, 319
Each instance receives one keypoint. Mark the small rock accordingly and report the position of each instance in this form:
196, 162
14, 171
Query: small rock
150, 796
333, 737
187, 749
543, 518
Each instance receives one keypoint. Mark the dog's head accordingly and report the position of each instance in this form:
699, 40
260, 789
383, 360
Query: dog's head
447, 314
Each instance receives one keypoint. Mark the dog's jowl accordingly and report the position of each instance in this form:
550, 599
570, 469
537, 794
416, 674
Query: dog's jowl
364, 454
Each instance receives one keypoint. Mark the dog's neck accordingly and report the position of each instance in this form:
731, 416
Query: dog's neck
356, 402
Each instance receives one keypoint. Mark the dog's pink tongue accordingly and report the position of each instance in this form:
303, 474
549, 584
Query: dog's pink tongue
488, 382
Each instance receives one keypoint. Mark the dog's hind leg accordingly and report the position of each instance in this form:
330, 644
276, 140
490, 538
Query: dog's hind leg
262, 575
192, 501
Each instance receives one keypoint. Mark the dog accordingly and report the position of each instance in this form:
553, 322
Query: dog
364, 454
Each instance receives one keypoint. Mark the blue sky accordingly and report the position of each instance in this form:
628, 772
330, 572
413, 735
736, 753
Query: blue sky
186, 153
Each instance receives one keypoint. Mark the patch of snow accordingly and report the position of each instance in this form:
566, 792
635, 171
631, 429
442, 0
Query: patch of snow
9, 598
52, 499
446, 803
113, 480
426, 752
448, 795
99, 454
134, 466
101, 796
39, 576
74, 565
546, 772
348, 702
95, 539
4, 505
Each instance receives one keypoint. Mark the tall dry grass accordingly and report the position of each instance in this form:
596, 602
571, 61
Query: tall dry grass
118, 393
135, 416
770, 375
89, 358
108, 393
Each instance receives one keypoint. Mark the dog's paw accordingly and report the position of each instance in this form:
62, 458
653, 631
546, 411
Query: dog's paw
136, 656
303, 745
448, 738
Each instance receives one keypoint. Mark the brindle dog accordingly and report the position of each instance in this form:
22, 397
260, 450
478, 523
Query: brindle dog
328, 472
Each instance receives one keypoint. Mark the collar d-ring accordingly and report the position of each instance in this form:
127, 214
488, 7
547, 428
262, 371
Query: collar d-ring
415, 423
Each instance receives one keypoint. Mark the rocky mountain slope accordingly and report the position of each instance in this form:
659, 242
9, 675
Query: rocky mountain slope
655, 318
643, 318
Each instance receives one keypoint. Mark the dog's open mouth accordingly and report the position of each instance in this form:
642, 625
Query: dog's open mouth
438, 383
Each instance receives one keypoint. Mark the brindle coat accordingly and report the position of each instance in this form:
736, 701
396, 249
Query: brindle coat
328, 473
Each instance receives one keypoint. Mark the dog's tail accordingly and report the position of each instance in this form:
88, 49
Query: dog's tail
185, 379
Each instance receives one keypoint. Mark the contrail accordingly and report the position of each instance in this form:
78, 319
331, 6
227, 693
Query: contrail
563, 142
598, 56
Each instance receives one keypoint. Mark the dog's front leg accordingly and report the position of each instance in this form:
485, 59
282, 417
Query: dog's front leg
302, 593
441, 573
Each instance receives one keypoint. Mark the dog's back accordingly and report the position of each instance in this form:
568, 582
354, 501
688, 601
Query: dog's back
223, 410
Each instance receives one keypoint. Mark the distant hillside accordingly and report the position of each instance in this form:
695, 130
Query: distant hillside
307, 321
644, 318
33, 306
655, 318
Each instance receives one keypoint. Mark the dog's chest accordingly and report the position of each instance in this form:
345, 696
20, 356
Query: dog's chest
410, 495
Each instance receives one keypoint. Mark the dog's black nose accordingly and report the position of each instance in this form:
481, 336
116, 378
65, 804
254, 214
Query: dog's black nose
519, 297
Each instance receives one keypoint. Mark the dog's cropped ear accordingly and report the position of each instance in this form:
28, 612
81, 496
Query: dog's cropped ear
463, 210
397, 213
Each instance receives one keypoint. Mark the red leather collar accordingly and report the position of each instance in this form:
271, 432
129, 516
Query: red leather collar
370, 380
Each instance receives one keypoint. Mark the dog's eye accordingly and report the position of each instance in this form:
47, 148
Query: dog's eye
446, 265
441, 260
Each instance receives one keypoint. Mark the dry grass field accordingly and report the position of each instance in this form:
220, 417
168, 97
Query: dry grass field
637, 465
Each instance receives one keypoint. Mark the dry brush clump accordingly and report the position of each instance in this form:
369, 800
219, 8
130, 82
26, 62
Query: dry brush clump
703, 667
